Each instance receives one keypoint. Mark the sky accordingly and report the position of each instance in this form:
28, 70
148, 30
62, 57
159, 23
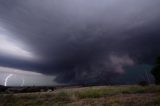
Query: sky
76, 41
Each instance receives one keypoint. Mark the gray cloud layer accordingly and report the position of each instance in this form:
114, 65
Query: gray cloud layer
83, 41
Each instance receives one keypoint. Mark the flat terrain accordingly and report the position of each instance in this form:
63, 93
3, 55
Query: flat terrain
132, 95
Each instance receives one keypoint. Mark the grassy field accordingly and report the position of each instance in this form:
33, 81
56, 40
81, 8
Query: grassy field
88, 96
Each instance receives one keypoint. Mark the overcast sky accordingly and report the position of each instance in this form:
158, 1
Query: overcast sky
77, 41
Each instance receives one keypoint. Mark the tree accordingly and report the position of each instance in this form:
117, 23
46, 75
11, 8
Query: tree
156, 71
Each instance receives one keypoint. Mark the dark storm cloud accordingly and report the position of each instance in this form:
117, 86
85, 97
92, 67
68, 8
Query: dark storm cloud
83, 41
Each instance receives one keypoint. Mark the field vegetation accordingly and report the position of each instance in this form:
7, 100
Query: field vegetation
88, 96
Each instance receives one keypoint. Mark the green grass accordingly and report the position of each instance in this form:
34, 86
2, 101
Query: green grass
113, 90
88, 96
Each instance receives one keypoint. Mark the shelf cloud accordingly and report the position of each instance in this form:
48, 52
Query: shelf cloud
79, 41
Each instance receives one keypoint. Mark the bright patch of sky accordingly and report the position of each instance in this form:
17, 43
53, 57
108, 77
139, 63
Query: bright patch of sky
26, 78
10, 46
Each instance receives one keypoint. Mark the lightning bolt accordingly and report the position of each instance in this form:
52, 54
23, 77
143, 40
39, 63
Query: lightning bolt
7, 78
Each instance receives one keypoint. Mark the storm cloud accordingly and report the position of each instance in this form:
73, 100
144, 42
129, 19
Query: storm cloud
79, 41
